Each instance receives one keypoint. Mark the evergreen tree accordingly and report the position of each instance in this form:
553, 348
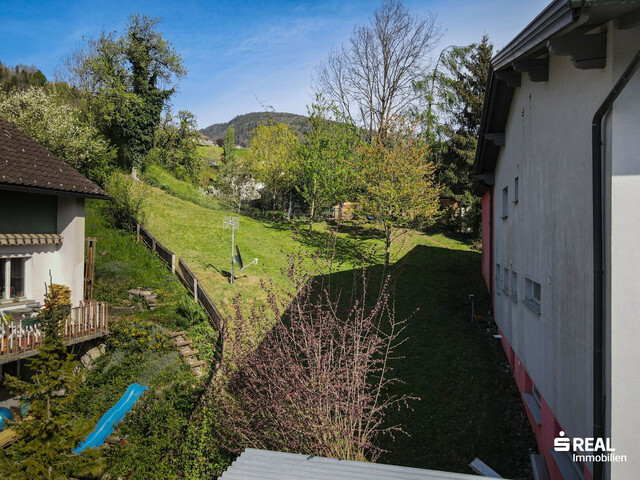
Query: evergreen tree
229, 145
47, 437
455, 96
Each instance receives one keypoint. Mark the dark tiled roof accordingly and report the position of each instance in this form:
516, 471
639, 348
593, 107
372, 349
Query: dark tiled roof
25, 164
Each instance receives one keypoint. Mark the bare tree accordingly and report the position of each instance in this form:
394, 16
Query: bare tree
372, 78
316, 382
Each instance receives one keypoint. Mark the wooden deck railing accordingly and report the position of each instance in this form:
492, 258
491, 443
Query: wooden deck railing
21, 338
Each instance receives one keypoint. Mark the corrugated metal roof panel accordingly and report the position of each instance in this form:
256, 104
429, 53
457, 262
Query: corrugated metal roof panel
255, 464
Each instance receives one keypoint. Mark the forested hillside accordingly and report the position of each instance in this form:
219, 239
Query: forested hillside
20, 77
244, 125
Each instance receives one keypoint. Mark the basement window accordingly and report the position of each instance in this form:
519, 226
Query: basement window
533, 405
532, 293
505, 281
505, 202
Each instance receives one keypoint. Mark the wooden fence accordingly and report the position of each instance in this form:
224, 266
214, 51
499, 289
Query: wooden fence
188, 279
21, 338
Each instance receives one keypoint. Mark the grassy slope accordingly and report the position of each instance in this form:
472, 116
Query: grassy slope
196, 234
458, 371
138, 350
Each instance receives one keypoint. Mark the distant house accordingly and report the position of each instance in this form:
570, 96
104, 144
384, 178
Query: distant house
558, 157
205, 141
41, 225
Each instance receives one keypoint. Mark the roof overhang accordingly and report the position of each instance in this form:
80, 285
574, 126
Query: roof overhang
562, 28
60, 193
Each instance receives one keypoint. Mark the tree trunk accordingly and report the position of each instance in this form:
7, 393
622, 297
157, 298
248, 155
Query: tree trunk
311, 214
387, 245
290, 206
313, 204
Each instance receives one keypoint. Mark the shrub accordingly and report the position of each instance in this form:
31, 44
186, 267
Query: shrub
125, 208
191, 310
318, 381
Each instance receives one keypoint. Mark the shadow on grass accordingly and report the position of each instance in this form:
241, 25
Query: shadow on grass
345, 241
469, 406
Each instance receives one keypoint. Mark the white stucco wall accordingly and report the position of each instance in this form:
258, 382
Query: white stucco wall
623, 264
547, 238
65, 262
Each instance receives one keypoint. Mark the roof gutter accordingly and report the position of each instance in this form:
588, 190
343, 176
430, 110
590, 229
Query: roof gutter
51, 191
599, 398
556, 18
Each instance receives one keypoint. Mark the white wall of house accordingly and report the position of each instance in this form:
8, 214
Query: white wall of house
546, 237
65, 262
622, 144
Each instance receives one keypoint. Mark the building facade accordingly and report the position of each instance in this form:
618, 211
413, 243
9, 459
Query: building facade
535, 158
42, 238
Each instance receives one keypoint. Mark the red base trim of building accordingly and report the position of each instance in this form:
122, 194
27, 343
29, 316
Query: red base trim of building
548, 429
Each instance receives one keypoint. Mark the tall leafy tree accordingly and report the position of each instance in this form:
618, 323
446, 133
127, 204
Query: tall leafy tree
176, 146
229, 144
129, 80
236, 182
46, 439
272, 157
323, 172
455, 96
397, 183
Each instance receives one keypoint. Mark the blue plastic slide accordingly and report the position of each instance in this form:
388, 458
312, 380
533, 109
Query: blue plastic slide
109, 420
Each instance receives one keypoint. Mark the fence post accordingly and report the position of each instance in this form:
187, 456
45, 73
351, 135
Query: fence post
173, 264
195, 288
153, 245
137, 232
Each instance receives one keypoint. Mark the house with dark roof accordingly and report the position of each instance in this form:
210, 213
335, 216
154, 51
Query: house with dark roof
42, 237
559, 165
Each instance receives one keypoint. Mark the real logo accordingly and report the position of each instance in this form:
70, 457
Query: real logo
561, 443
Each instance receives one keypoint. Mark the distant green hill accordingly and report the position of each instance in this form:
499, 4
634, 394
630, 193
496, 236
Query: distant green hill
244, 125
20, 77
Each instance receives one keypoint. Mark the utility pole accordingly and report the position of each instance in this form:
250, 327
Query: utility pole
232, 223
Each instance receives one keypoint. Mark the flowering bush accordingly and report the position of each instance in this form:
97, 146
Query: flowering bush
135, 334
61, 128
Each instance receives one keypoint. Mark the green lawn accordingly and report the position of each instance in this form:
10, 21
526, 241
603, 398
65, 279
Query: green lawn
210, 153
468, 401
196, 233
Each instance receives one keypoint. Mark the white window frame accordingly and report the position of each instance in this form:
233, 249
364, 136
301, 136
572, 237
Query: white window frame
5, 263
531, 300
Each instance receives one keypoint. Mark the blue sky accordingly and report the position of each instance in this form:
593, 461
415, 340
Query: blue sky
240, 55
